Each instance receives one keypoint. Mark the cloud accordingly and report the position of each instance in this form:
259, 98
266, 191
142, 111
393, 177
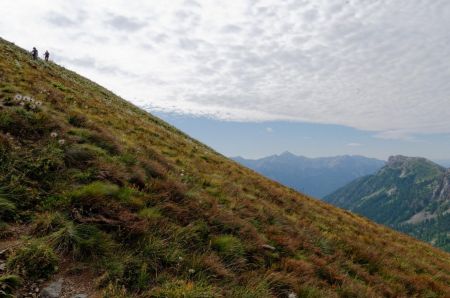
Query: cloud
269, 129
379, 66
123, 23
354, 144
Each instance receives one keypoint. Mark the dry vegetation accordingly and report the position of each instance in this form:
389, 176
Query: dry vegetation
92, 181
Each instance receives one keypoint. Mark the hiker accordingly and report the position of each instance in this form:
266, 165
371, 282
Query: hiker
46, 55
34, 53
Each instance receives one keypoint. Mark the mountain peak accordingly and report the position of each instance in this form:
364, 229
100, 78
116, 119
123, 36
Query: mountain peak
288, 154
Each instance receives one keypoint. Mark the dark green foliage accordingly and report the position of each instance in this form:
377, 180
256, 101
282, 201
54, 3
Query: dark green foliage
34, 260
7, 208
8, 284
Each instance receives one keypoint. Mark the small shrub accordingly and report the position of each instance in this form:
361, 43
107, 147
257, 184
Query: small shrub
8, 284
228, 246
34, 260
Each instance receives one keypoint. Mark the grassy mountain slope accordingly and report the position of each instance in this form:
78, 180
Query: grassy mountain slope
409, 194
121, 204
317, 177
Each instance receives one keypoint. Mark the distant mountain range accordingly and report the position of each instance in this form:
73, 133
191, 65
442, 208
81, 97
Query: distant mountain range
314, 176
410, 194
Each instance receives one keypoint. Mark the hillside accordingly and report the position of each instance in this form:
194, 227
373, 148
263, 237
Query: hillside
113, 202
316, 177
409, 194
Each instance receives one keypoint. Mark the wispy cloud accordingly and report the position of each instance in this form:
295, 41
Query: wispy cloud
380, 66
354, 144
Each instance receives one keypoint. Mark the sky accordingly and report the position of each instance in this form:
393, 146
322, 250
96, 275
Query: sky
257, 77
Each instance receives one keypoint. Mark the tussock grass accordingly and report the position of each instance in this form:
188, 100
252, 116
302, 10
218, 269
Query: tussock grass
34, 260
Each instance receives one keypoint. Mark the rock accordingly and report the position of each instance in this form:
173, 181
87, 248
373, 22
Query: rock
80, 296
268, 247
53, 290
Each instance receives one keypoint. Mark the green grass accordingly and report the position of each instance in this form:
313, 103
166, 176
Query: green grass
228, 246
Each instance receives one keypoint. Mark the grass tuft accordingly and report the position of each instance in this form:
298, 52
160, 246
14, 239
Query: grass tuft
34, 260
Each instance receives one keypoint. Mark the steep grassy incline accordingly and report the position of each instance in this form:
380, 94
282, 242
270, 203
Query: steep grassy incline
120, 204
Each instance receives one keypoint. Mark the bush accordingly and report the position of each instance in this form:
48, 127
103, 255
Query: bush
34, 260
228, 246
185, 289
8, 284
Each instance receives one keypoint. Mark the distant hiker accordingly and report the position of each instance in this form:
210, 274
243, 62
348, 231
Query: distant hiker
46, 55
34, 53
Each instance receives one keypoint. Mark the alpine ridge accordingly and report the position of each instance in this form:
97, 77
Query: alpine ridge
410, 194
316, 177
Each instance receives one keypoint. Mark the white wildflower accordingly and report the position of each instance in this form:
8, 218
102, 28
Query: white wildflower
54, 134
292, 295
32, 106
191, 271
26, 98
61, 141
39, 103
18, 97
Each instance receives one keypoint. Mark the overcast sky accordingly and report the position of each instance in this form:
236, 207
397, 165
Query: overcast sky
379, 66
